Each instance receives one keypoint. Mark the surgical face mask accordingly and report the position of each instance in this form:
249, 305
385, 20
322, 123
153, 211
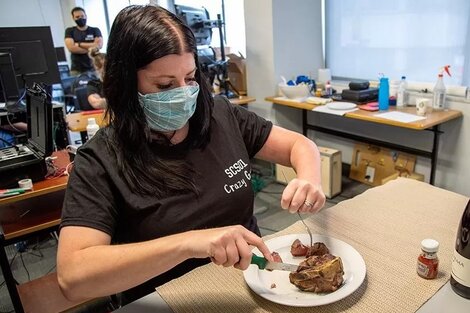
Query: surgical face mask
169, 110
80, 22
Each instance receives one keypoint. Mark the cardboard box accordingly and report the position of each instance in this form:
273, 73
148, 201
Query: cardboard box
236, 70
373, 165
395, 175
331, 164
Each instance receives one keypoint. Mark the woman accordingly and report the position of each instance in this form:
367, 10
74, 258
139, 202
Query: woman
95, 86
166, 187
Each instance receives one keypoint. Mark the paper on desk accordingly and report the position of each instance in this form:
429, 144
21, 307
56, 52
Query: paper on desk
299, 100
400, 117
325, 109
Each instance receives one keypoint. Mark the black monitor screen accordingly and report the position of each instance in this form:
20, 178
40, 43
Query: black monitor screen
60, 53
9, 91
33, 54
195, 18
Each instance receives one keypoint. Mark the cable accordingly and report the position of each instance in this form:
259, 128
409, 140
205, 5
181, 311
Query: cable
11, 125
24, 265
67, 171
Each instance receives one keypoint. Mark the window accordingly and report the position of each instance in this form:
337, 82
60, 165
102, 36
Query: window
402, 37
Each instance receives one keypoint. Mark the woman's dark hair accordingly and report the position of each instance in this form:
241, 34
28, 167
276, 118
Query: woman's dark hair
140, 35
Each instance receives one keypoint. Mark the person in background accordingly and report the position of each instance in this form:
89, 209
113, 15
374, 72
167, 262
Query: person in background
95, 86
7, 133
166, 187
80, 38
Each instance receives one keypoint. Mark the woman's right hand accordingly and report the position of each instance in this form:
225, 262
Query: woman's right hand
227, 246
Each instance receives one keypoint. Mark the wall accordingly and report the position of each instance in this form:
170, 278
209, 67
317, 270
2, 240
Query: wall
34, 13
281, 39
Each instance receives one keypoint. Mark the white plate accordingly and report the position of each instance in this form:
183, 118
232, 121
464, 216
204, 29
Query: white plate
260, 281
341, 105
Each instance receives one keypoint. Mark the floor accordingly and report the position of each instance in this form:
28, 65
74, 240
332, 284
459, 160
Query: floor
36, 258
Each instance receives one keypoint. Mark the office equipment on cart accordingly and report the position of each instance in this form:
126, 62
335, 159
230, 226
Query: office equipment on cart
28, 160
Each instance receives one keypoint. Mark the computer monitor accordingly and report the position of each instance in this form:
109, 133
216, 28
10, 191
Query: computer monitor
32, 54
60, 53
9, 90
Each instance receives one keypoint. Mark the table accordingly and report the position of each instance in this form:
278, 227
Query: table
432, 123
388, 240
77, 122
29, 214
242, 100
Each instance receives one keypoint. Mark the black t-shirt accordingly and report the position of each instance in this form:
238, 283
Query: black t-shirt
95, 86
82, 62
98, 197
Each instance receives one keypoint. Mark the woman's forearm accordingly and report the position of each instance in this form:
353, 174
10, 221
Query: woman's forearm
107, 269
89, 267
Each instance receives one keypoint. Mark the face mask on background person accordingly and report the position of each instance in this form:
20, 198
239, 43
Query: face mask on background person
80, 22
169, 110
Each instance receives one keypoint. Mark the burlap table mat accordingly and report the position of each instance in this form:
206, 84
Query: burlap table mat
385, 224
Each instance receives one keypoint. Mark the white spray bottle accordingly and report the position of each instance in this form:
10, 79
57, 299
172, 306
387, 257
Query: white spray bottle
439, 91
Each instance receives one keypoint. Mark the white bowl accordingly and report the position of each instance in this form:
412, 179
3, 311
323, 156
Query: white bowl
294, 92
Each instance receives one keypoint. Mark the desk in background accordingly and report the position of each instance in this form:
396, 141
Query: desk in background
242, 100
385, 225
27, 215
432, 123
77, 122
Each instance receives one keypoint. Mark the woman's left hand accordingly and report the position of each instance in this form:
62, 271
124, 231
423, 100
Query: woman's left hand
302, 196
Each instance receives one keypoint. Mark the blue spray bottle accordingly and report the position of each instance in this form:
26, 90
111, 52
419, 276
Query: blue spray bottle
384, 93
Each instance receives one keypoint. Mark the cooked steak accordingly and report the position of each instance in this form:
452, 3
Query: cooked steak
276, 257
319, 274
318, 248
299, 249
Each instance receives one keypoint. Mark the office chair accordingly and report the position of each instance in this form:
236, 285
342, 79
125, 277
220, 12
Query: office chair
82, 99
75, 87
82, 104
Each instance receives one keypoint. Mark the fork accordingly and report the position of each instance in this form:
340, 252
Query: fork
307, 228
301, 218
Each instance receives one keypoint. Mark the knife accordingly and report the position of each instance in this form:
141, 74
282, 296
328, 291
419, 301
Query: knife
264, 264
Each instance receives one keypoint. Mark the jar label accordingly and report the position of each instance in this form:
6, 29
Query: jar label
461, 269
422, 269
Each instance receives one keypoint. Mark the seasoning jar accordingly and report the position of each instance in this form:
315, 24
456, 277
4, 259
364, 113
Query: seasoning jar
428, 261
318, 92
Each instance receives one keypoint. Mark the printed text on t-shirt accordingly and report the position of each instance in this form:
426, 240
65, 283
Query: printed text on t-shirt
234, 170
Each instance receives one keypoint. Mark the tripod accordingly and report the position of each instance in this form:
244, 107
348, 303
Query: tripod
219, 68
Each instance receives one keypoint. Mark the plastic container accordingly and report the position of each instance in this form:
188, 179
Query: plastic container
328, 89
92, 127
439, 94
428, 262
439, 91
401, 94
384, 94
